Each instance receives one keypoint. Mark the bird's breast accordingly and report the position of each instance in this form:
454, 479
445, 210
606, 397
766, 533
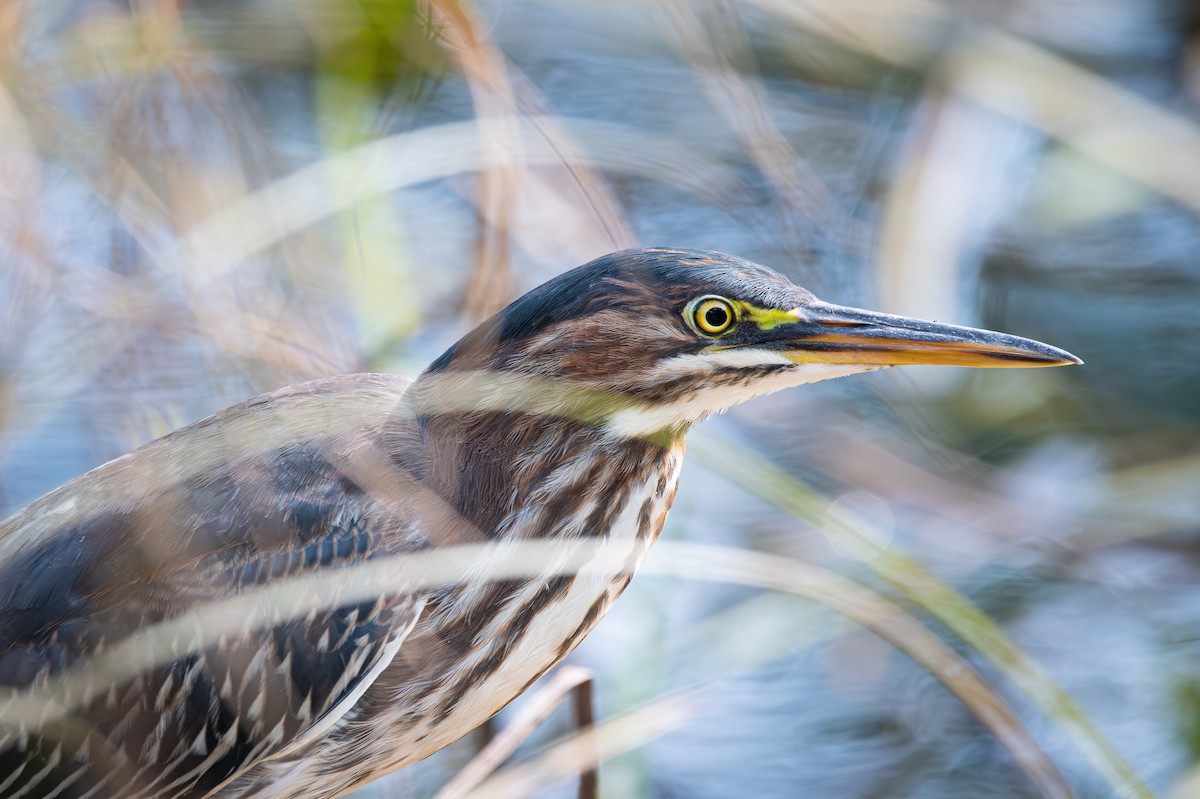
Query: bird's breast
486, 643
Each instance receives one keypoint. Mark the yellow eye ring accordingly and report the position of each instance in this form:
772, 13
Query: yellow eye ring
713, 315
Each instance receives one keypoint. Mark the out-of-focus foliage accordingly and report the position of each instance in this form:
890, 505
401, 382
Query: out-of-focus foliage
203, 200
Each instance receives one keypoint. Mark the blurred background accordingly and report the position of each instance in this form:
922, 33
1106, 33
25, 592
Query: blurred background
200, 201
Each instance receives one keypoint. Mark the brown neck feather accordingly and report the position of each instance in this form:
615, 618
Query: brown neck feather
489, 465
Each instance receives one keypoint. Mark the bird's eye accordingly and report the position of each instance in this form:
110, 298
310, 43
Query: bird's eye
713, 316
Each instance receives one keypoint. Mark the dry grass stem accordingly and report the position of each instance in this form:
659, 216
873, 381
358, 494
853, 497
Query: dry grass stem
485, 70
587, 749
533, 713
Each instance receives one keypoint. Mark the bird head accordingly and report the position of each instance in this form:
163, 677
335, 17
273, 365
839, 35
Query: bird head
653, 340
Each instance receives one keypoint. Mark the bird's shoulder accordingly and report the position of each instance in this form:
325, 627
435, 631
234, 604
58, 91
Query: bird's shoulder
276, 474
305, 482
335, 414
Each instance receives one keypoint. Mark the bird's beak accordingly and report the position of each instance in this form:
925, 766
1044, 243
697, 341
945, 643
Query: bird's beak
825, 333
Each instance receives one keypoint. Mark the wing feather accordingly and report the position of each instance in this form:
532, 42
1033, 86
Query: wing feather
270, 490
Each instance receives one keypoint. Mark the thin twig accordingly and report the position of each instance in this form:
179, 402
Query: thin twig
563, 683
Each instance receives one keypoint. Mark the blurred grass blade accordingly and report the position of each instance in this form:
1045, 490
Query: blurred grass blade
772, 572
939, 599
1096, 116
1011, 76
719, 50
291, 204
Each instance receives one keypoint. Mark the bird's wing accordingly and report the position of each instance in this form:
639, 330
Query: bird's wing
184, 612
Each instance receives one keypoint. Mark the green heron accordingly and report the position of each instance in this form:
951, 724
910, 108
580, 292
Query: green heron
559, 420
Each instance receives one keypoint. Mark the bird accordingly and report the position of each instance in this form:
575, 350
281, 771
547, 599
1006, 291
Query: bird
128, 668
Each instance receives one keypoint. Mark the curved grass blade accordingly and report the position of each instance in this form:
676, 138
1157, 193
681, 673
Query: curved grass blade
940, 600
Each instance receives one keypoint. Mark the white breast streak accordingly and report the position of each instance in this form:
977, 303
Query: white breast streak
538, 650
645, 420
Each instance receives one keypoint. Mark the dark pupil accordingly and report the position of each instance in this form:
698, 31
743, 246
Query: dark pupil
716, 316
